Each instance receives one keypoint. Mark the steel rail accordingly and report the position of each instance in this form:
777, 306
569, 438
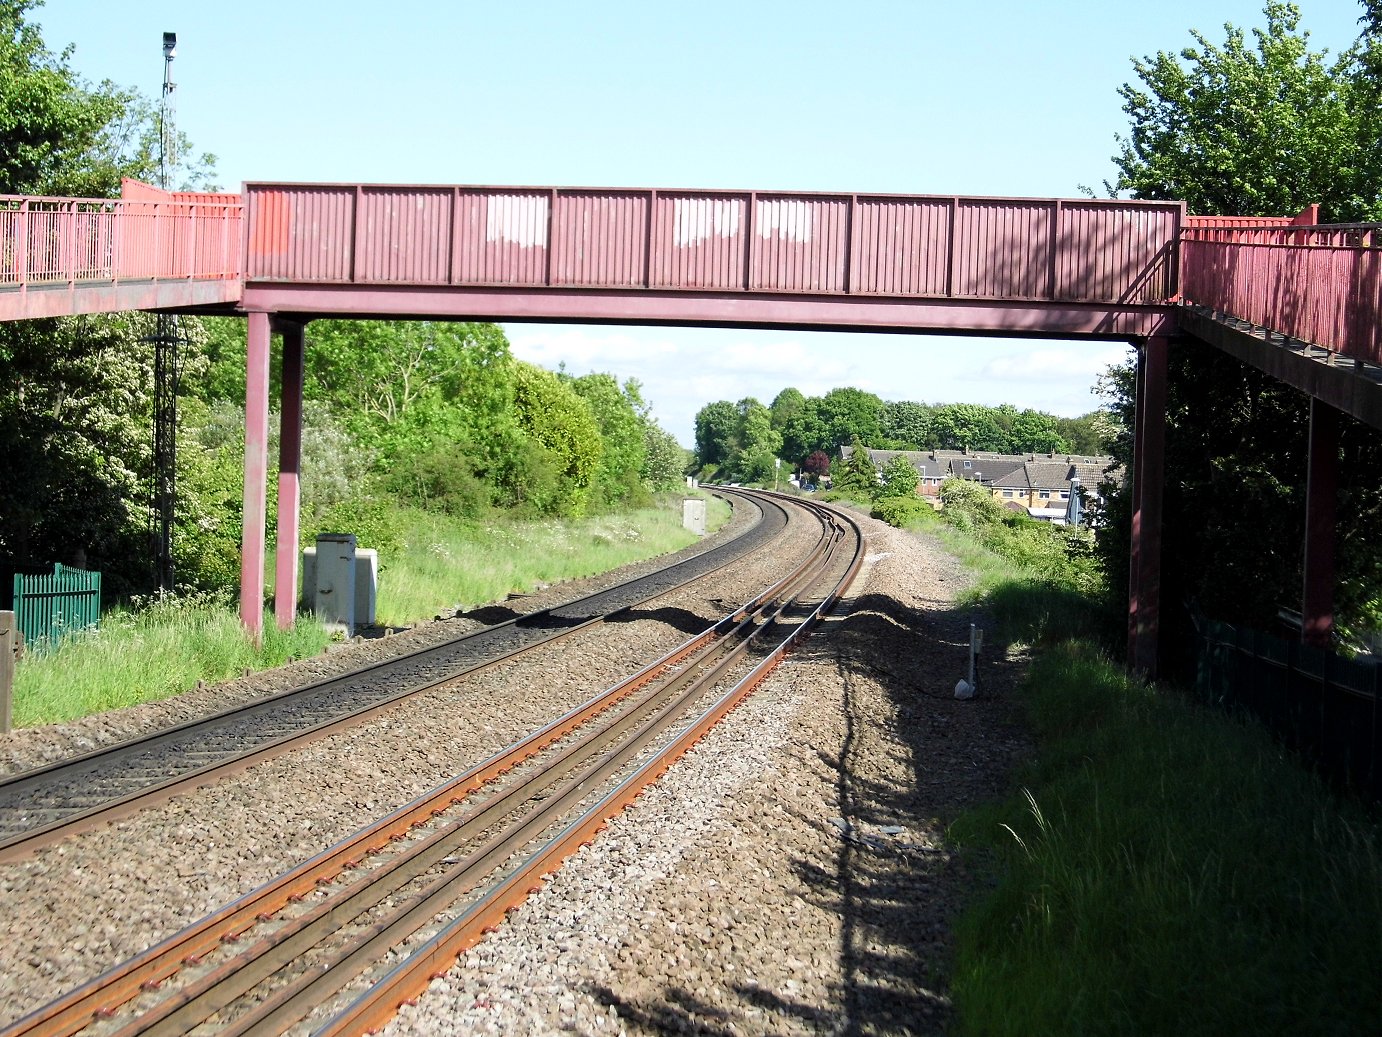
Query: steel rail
74, 1011
21, 845
407, 980
294, 1002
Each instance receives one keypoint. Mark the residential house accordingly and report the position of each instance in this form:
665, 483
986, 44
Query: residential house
1044, 486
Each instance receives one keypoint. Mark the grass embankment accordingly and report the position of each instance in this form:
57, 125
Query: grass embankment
1161, 868
153, 653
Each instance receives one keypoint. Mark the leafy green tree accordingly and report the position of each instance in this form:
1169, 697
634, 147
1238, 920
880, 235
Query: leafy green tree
664, 459
899, 478
849, 414
907, 425
75, 410
787, 405
759, 443
856, 475
559, 423
1034, 432
716, 428
621, 433
1089, 434
806, 432
1260, 127
972, 426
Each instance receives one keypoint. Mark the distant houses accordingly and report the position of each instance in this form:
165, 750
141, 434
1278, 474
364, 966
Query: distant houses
1054, 487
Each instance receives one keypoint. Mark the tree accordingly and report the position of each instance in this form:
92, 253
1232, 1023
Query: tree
756, 458
60, 135
857, 474
899, 478
817, 463
561, 428
907, 425
849, 414
621, 433
716, 427
1033, 432
1091, 433
967, 426
1265, 128
805, 432
787, 405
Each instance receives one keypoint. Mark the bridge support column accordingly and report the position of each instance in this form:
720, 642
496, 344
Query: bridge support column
289, 474
256, 469
1321, 497
1144, 576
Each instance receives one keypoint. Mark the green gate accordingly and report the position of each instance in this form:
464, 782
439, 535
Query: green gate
47, 606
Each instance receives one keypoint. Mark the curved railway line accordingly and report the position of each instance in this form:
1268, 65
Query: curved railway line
44, 804
337, 943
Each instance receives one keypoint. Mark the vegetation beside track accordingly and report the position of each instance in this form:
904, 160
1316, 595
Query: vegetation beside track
1160, 867
165, 647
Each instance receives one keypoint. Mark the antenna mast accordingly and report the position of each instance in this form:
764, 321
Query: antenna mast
167, 338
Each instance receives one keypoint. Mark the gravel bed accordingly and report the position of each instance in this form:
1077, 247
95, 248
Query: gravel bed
789, 876
77, 908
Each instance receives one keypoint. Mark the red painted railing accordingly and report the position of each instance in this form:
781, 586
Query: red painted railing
83, 241
1095, 251
1320, 284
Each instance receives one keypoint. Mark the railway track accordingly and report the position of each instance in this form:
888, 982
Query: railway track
335, 945
40, 806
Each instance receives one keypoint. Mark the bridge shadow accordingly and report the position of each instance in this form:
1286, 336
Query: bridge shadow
893, 895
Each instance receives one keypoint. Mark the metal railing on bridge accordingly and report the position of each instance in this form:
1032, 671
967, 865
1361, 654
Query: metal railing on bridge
49, 244
1318, 284
1094, 251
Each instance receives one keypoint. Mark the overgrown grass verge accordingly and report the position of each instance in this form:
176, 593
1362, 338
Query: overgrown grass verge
152, 653
1166, 869
147, 655
446, 563
1163, 868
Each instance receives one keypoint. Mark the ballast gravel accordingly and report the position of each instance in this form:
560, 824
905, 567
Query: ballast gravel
789, 876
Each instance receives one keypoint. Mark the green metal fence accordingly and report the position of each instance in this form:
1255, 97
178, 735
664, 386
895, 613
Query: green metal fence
47, 606
1322, 705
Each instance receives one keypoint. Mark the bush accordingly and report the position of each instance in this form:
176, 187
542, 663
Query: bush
904, 512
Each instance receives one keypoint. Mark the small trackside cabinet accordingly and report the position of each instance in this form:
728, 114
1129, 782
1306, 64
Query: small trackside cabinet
333, 599
693, 515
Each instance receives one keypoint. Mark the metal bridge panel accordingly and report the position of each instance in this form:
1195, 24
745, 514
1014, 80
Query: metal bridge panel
697, 240
901, 246
599, 238
501, 236
800, 243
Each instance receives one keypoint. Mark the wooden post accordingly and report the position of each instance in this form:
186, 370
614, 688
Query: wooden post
9, 649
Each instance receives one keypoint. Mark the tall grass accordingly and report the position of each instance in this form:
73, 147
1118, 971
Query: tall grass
445, 563
1162, 868
1166, 870
147, 655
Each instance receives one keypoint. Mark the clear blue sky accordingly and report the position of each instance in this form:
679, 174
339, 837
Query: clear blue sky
998, 98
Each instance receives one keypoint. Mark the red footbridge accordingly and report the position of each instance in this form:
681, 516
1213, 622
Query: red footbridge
1296, 299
